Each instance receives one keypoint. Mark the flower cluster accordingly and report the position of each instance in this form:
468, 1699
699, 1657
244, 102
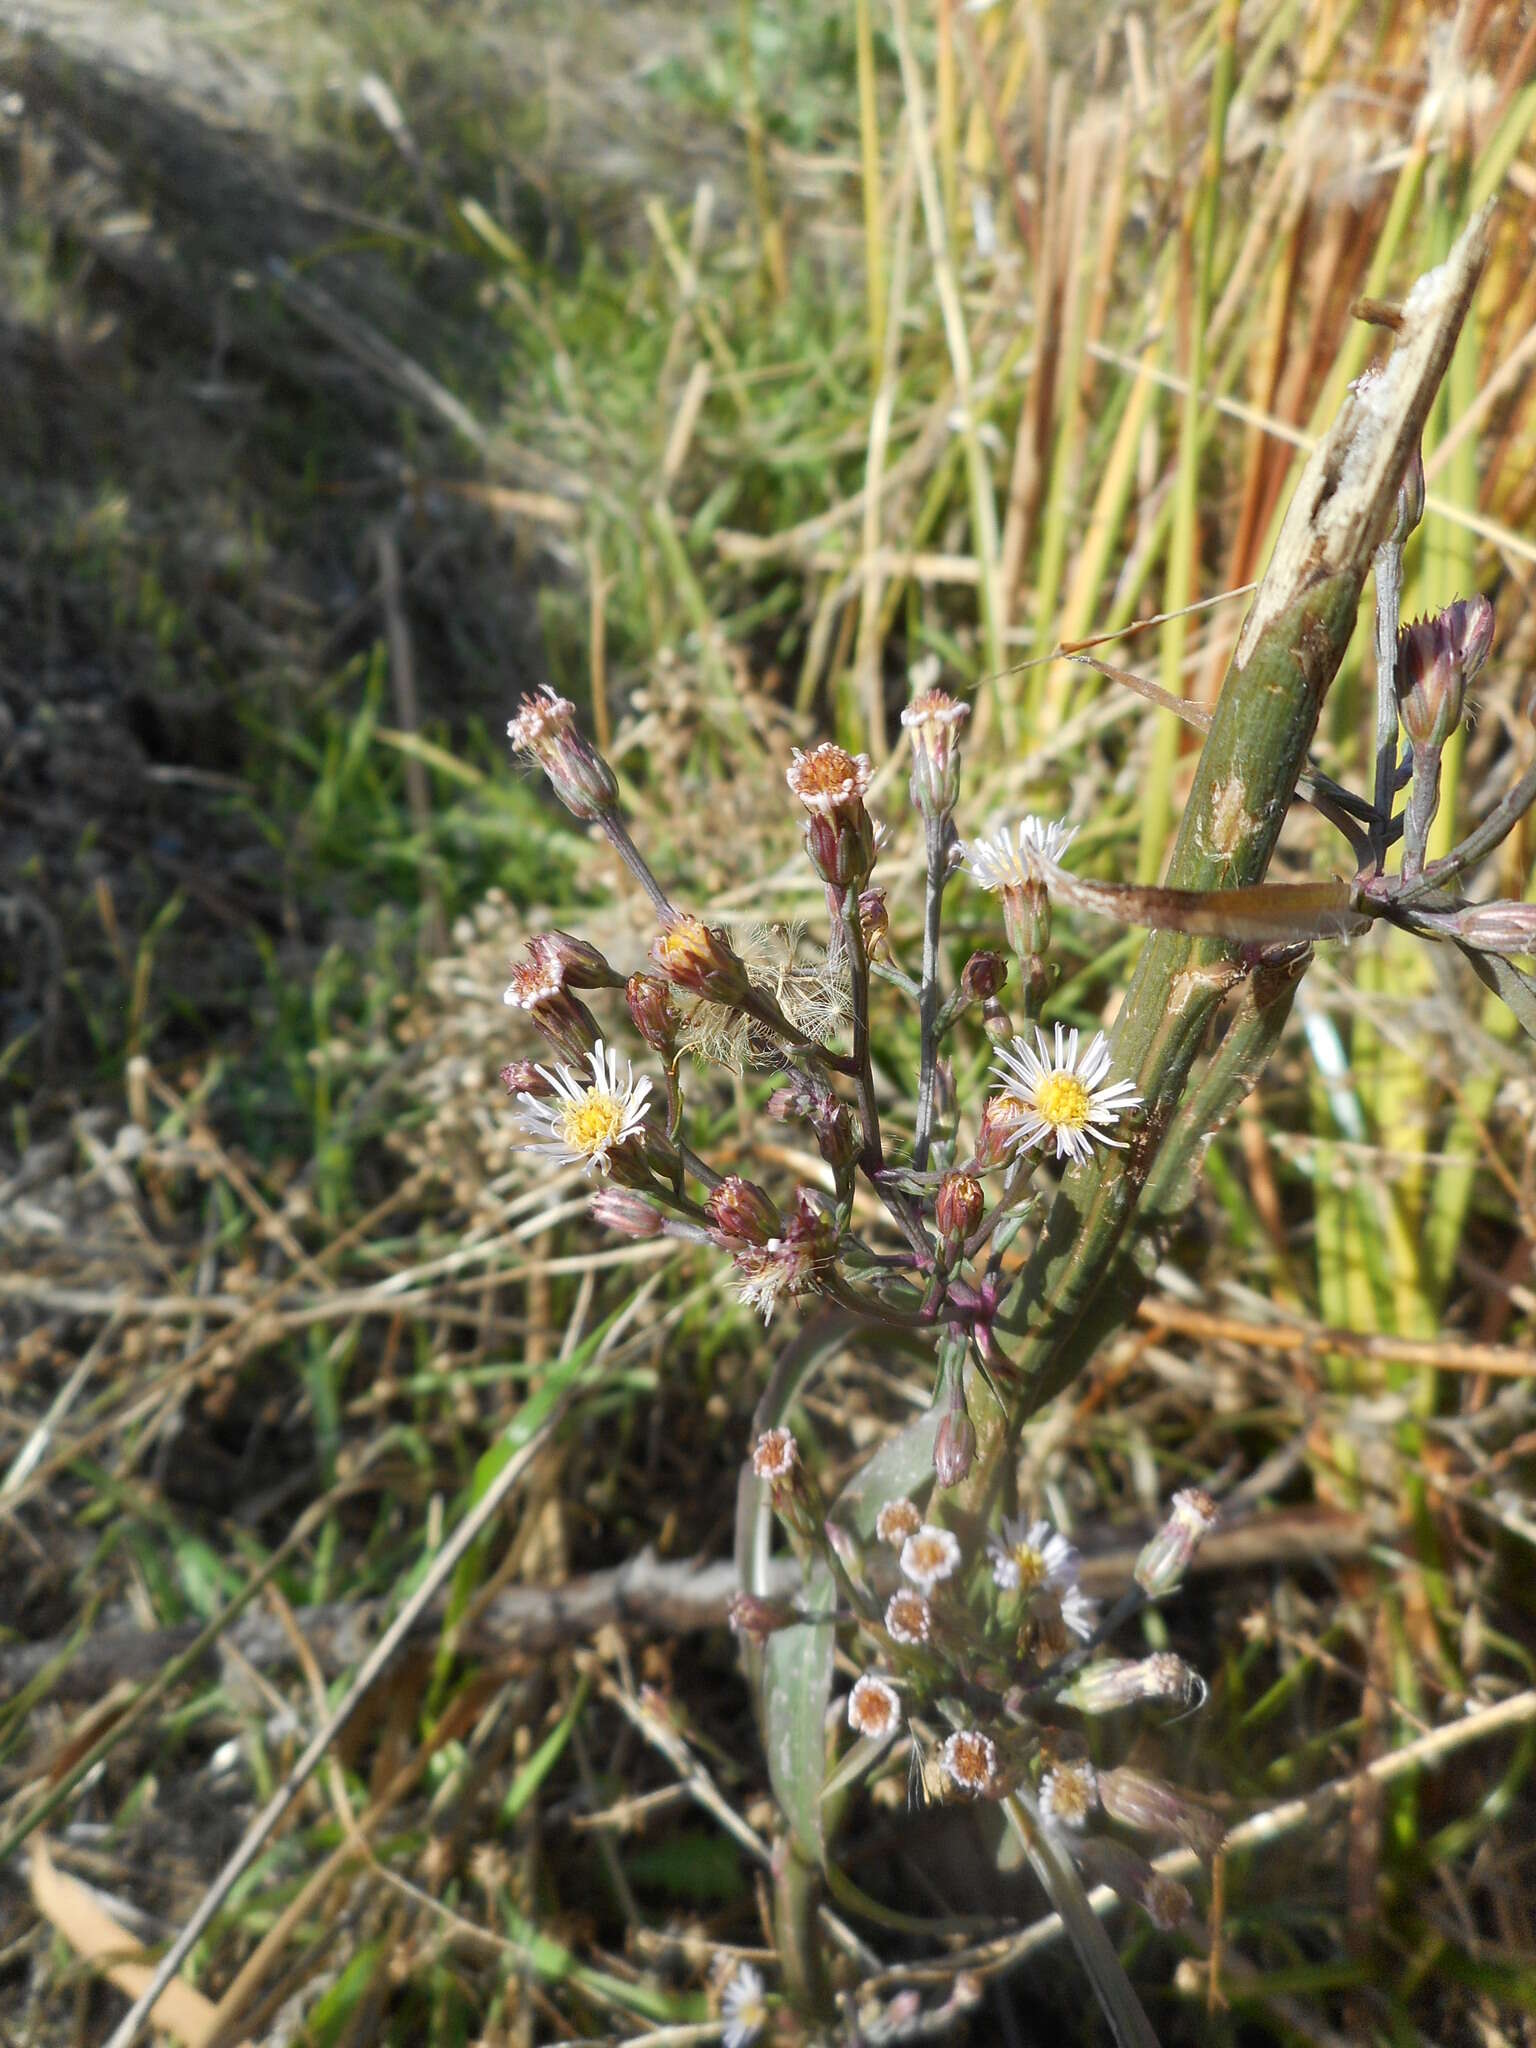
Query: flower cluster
985, 1667
956, 1185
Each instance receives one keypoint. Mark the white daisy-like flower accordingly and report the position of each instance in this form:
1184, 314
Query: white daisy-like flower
1030, 1555
1078, 1612
873, 1708
1009, 860
583, 1121
896, 1521
1065, 1097
743, 2007
908, 1617
969, 1761
929, 1555
1068, 1794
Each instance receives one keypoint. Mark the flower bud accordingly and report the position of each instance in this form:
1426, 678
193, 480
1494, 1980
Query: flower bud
983, 976
578, 964
1131, 1877
837, 1136
932, 722
954, 1447
757, 1619
741, 1213
1155, 1808
652, 1011
544, 727
525, 1077
1118, 1682
1164, 1561
1000, 1121
958, 1206
628, 1213
875, 923
1410, 498
1436, 659
1498, 927
562, 1018
700, 959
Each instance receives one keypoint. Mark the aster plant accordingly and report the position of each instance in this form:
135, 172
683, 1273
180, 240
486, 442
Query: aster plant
1011, 1227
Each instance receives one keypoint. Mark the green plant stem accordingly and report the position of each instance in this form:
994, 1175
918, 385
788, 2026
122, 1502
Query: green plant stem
936, 836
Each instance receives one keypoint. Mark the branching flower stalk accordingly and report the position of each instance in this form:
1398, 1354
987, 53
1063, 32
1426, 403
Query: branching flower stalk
1084, 1149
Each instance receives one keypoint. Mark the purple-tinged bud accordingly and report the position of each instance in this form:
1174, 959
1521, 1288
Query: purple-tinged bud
875, 923
544, 727
526, 1077
932, 722
700, 959
837, 1136
1436, 659
983, 976
787, 1103
626, 1212
652, 1011
1000, 1121
1152, 1807
1117, 1682
1498, 927
954, 1447
958, 1206
578, 964
1164, 1561
742, 1214
758, 1619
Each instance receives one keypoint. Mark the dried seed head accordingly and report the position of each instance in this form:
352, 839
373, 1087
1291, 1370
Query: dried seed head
930, 1555
1164, 1561
896, 1521
775, 1455
908, 1618
969, 1759
788, 1264
1068, 1794
742, 1214
629, 1214
874, 1709
544, 727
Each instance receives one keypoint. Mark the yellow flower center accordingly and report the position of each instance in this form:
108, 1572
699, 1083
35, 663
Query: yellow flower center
594, 1123
1063, 1102
1029, 1565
